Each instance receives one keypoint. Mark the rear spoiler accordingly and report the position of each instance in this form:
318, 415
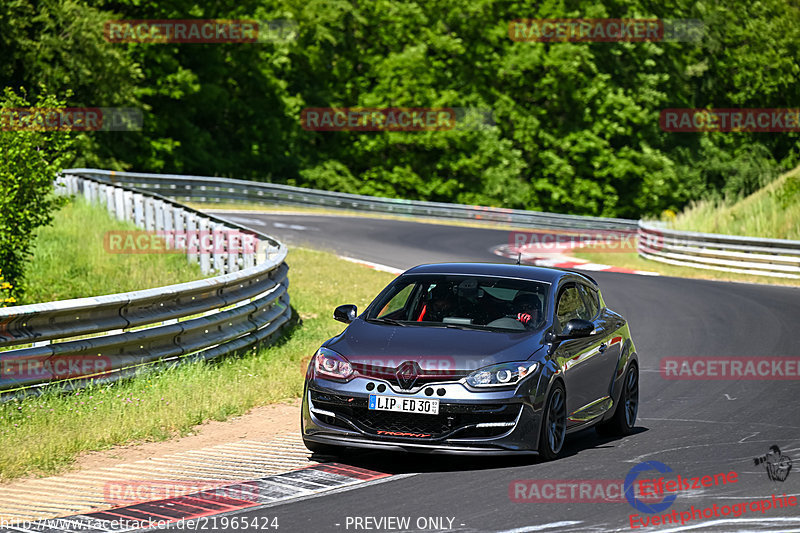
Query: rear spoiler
582, 274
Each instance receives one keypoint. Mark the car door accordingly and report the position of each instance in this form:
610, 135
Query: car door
579, 359
606, 329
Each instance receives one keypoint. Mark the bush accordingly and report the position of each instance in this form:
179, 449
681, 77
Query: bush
31, 156
5, 292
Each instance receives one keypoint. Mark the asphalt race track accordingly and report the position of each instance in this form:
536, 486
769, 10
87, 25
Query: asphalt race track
697, 428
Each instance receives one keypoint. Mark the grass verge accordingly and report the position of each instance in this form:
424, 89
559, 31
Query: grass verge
43, 435
771, 212
70, 261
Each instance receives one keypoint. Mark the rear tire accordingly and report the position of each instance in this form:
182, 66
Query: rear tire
553, 429
624, 418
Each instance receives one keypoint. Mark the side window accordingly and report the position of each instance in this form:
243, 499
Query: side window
397, 303
570, 305
592, 302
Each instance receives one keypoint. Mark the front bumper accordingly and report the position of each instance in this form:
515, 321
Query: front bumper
469, 422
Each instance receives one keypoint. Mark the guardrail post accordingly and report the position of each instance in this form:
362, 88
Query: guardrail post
108, 192
87, 191
138, 210
119, 204
201, 237
65, 179
262, 256
249, 248
60, 185
127, 205
234, 246
179, 224
149, 214
191, 237
218, 243
168, 215
158, 207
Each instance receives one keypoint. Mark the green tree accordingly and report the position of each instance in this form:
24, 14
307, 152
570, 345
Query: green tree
60, 44
575, 123
31, 157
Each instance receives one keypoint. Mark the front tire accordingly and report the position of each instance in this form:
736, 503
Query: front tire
624, 418
554, 423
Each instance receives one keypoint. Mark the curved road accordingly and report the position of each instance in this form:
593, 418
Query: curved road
698, 428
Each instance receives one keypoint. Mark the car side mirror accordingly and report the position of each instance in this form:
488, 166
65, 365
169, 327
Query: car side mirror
345, 313
577, 328
574, 329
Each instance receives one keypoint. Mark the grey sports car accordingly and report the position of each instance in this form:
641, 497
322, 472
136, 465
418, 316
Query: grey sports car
473, 358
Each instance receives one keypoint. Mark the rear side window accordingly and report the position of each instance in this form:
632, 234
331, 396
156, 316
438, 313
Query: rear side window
570, 305
592, 301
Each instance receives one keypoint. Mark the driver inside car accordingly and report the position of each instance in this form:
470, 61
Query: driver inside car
528, 308
441, 303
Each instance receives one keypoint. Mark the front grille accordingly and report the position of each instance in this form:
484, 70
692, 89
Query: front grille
427, 425
453, 420
389, 374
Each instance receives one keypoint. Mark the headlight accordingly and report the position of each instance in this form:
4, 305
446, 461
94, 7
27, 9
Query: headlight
330, 365
501, 375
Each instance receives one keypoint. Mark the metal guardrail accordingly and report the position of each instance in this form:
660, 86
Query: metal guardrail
209, 189
730, 253
108, 337
766, 257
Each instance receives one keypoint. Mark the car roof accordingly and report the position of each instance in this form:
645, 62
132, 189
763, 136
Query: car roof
533, 273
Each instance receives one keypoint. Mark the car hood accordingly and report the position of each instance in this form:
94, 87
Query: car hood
432, 347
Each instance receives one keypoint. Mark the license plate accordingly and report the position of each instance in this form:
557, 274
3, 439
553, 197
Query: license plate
403, 405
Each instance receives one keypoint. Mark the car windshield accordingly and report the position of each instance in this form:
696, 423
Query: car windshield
473, 302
